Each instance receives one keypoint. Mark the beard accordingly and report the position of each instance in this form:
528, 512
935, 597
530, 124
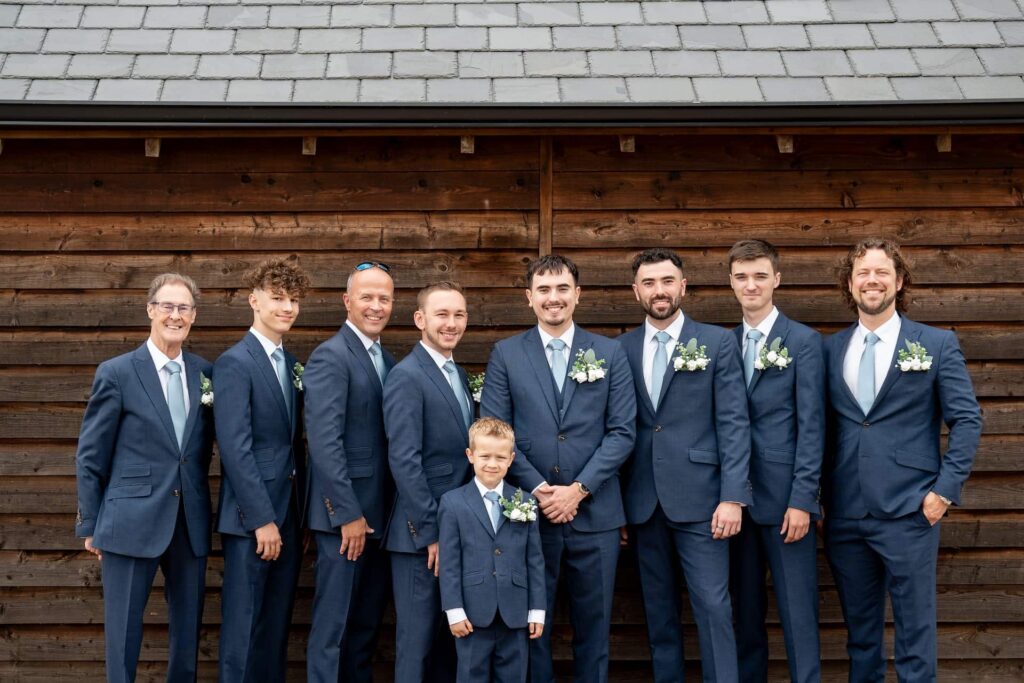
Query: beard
674, 305
875, 310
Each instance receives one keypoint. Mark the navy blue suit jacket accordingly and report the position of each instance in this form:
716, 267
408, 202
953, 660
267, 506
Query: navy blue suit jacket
484, 572
260, 452
349, 476
694, 451
787, 425
427, 441
131, 473
586, 441
885, 463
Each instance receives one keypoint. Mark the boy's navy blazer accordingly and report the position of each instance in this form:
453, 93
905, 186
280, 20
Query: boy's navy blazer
484, 572
427, 441
885, 463
787, 425
131, 473
348, 448
586, 440
260, 447
694, 451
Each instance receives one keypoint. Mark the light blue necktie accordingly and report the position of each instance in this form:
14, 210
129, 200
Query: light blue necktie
558, 362
176, 399
377, 356
866, 373
753, 336
460, 393
282, 377
495, 509
659, 367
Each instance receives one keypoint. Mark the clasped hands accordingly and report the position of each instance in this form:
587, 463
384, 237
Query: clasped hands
559, 503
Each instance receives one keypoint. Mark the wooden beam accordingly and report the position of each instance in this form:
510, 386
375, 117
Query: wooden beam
467, 144
546, 202
309, 146
152, 147
785, 143
944, 142
627, 144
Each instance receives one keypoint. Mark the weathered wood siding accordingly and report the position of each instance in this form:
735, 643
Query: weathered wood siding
86, 223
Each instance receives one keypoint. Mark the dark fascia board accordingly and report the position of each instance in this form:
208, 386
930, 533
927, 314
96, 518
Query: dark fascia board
205, 115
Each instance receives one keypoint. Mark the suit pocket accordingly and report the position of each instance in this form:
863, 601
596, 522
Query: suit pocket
703, 456
132, 491
472, 579
779, 456
519, 579
263, 455
918, 461
135, 471
436, 471
360, 471
524, 445
361, 453
267, 471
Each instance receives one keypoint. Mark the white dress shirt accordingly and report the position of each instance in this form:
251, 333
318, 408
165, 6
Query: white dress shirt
441, 360
764, 327
566, 337
160, 360
888, 339
268, 346
651, 345
367, 342
534, 616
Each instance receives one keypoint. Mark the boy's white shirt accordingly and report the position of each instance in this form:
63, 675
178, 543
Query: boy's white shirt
534, 616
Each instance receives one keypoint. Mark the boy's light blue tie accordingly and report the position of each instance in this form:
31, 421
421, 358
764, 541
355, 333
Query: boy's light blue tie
282, 377
495, 509
377, 356
176, 399
866, 373
659, 366
460, 393
753, 337
558, 369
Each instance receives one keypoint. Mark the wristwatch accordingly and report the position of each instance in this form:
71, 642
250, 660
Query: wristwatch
583, 489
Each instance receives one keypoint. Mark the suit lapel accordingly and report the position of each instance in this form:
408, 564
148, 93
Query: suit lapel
633, 344
194, 397
687, 333
294, 417
837, 379
146, 371
437, 376
362, 356
476, 503
269, 372
779, 330
581, 341
539, 361
907, 331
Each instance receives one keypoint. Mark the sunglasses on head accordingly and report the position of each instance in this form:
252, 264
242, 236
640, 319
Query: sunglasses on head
366, 265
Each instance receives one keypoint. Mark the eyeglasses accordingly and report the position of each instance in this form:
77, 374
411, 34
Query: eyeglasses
167, 308
366, 265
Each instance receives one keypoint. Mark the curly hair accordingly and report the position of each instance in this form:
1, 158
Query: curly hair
844, 269
278, 275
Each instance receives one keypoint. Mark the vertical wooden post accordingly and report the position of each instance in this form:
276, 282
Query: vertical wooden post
467, 144
547, 213
944, 142
627, 144
152, 147
785, 143
309, 146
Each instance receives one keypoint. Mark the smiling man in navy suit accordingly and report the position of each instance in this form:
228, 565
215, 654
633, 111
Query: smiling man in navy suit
350, 484
427, 413
687, 480
892, 383
569, 396
261, 496
143, 496
784, 373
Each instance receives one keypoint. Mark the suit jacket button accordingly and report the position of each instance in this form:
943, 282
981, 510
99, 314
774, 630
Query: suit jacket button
494, 573
497, 551
867, 424
556, 469
657, 428
184, 459
291, 477
561, 437
176, 493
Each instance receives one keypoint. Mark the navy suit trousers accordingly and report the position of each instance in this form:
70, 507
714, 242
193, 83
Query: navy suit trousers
493, 654
424, 646
127, 582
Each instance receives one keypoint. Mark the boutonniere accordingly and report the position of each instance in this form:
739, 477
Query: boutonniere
914, 358
691, 357
773, 355
206, 387
297, 371
517, 509
476, 384
587, 368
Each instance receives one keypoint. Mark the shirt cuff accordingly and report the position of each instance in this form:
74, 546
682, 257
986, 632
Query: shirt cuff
735, 502
543, 483
455, 615
535, 616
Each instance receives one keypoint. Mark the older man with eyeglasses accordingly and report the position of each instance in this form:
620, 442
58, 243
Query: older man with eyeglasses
143, 496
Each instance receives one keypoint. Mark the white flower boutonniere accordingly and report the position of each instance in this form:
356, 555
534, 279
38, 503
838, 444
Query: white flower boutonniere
517, 509
691, 357
587, 367
206, 387
476, 384
914, 358
297, 371
773, 355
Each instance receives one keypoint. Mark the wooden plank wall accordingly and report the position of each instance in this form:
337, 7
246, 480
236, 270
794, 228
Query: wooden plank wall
86, 223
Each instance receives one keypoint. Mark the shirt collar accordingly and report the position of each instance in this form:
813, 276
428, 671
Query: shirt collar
674, 330
483, 489
437, 357
367, 342
268, 346
765, 326
160, 359
567, 336
886, 333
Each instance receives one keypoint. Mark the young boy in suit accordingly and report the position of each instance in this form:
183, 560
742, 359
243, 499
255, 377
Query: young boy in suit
492, 566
